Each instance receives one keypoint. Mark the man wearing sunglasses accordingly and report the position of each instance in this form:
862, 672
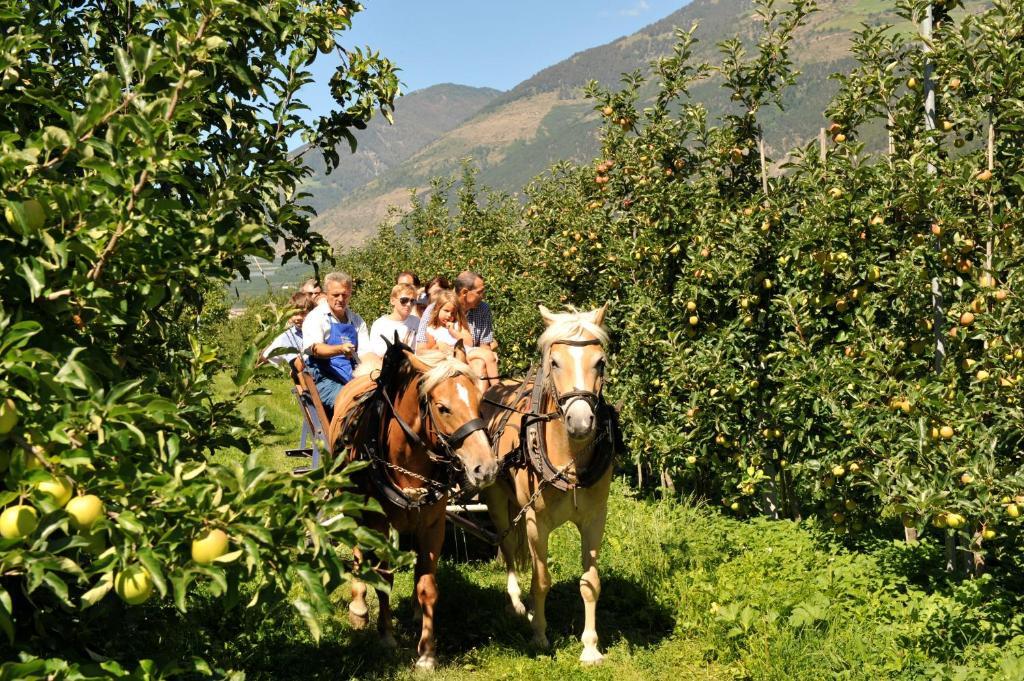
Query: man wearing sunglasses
400, 320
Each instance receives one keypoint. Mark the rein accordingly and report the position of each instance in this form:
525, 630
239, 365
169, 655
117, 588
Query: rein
379, 403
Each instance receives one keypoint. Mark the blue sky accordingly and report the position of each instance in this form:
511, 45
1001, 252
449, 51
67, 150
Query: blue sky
483, 42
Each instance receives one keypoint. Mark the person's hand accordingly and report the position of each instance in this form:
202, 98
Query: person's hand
347, 348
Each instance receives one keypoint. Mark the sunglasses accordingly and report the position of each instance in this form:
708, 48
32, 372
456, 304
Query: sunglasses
405, 301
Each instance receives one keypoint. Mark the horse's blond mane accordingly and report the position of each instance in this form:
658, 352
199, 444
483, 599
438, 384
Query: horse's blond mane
569, 325
442, 367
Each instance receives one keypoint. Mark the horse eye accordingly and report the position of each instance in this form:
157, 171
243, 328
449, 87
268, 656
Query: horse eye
443, 409
600, 365
554, 363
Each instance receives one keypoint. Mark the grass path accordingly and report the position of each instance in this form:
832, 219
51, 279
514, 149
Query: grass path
686, 594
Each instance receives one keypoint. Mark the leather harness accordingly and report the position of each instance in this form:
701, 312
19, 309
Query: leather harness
532, 451
375, 411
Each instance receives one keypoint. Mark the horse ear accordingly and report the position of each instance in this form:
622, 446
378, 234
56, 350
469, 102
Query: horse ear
417, 363
599, 314
460, 351
547, 315
387, 343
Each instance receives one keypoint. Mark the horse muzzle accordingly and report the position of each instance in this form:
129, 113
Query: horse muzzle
473, 452
580, 419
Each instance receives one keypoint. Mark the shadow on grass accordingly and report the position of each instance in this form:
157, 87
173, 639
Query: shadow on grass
472, 615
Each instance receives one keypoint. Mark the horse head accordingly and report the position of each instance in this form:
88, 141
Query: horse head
448, 390
573, 351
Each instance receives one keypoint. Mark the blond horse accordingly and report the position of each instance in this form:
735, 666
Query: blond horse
560, 434
425, 436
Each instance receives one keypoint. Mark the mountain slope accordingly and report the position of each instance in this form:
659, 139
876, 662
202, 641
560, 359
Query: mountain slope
545, 118
420, 117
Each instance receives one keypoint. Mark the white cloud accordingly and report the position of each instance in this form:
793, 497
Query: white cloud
636, 10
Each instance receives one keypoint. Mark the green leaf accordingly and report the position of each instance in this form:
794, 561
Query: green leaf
6, 615
152, 563
96, 594
308, 615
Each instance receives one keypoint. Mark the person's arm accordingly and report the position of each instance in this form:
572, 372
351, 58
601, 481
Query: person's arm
421, 333
461, 333
429, 344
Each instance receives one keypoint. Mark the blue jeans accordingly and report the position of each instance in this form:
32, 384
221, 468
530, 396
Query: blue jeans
327, 387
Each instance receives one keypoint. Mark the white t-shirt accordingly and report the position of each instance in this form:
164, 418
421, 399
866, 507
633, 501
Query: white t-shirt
386, 326
441, 334
317, 327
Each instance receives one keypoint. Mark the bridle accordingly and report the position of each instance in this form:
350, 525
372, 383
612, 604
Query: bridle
449, 442
564, 400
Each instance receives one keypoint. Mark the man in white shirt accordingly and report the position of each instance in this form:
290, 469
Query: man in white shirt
332, 339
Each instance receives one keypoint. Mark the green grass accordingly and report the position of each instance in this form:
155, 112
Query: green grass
687, 594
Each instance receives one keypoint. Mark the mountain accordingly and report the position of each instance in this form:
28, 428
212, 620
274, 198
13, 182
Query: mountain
519, 133
420, 117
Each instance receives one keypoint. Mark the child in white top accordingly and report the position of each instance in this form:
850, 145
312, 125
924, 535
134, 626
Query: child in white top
447, 325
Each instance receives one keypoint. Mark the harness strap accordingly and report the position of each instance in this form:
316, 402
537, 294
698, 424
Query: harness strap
464, 431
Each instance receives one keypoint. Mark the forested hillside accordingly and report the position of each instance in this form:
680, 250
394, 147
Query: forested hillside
546, 119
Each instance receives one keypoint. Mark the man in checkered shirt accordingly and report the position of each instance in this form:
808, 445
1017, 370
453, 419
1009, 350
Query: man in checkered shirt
469, 290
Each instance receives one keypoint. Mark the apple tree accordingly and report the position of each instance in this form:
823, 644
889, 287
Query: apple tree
144, 154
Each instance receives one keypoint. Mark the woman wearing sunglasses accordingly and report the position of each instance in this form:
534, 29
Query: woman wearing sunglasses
403, 297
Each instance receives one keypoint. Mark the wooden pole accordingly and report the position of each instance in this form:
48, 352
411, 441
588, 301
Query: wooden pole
822, 145
764, 167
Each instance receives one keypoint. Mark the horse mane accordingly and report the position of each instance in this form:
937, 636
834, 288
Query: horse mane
568, 325
442, 367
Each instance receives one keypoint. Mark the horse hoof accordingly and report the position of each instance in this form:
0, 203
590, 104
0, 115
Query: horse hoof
591, 656
388, 641
426, 663
540, 642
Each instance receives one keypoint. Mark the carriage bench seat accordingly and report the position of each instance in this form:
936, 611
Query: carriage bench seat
314, 418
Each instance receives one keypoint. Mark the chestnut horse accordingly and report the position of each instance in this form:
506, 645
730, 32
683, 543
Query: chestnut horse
418, 424
562, 438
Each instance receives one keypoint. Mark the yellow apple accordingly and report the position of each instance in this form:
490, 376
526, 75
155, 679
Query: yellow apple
84, 511
134, 585
946, 432
18, 521
57, 487
1013, 511
211, 546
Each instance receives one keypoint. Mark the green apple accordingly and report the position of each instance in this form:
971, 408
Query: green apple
210, 547
134, 585
18, 521
8, 415
84, 511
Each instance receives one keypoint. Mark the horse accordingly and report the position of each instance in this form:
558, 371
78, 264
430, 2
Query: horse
557, 438
418, 424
